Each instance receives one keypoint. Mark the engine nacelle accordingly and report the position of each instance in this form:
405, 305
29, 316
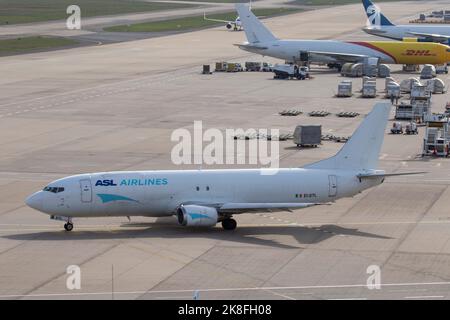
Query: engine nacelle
197, 216
229, 26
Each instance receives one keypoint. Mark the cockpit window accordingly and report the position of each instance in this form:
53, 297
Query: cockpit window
54, 189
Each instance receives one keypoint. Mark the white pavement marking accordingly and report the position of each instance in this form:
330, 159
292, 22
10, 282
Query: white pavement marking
229, 289
424, 297
348, 299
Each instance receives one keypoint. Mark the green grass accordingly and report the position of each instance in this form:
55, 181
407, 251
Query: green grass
29, 44
333, 2
196, 22
25, 11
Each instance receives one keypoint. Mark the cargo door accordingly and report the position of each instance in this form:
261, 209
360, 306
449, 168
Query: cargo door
86, 190
332, 180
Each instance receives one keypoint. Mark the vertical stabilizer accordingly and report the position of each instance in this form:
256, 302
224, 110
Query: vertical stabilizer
374, 14
255, 31
362, 150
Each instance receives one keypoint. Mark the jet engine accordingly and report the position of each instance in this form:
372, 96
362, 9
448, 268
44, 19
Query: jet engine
197, 216
229, 26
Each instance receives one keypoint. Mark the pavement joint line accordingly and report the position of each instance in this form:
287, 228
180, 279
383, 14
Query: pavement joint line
228, 289
424, 297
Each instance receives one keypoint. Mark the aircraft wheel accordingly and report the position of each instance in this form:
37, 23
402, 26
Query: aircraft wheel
229, 224
68, 226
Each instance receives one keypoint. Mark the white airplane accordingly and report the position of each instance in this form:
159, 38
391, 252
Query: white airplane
379, 25
335, 53
207, 197
236, 25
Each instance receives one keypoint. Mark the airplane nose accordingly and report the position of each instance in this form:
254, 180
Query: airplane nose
35, 201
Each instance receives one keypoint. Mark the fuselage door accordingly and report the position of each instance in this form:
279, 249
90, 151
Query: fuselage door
86, 190
332, 186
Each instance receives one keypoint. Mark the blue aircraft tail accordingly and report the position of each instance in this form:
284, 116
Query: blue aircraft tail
373, 12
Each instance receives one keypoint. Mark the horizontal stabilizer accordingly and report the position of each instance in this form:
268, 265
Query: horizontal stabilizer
249, 46
378, 175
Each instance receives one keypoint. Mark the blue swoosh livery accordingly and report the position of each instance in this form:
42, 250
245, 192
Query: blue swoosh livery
113, 197
198, 216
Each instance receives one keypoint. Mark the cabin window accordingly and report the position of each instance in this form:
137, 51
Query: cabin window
197, 188
207, 188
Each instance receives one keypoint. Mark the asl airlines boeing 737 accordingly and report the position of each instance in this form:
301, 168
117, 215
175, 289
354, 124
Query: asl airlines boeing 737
262, 41
206, 197
379, 25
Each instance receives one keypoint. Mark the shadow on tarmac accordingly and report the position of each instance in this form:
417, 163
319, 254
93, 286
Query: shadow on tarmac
254, 235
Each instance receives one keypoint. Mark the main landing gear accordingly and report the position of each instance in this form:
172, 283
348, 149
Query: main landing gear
229, 224
68, 226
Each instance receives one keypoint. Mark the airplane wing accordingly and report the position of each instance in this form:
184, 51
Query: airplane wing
236, 207
217, 20
431, 36
245, 207
341, 57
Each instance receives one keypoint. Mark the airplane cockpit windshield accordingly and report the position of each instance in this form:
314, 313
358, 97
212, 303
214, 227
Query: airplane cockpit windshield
53, 189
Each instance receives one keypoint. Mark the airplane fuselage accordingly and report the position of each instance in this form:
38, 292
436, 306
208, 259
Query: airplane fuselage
399, 32
388, 52
160, 193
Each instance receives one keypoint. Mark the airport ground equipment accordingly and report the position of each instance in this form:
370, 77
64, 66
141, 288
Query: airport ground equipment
370, 66
441, 69
428, 72
384, 71
407, 84
308, 135
206, 69
252, 66
437, 138
258, 136
344, 89
447, 110
234, 67
369, 87
345, 114
290, 112
331, 137
397, 128
290, 71
414, 110
411, 67
319, 113
420, 91
388, 81
266, 67
354, 70
436, 86
221, 67
393, 90
411, 128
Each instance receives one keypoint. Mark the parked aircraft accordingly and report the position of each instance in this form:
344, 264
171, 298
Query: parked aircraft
261, 41
380, 25
236, 25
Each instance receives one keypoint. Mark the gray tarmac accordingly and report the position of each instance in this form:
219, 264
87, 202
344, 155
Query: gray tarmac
114, 107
